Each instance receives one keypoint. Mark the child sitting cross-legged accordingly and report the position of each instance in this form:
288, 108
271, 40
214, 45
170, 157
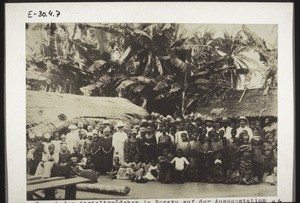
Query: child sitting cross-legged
233, 174
152, 173
125, 170
115, 168
218, 172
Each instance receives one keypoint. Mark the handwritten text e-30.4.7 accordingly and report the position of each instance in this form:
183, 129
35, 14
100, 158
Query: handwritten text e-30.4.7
43, 14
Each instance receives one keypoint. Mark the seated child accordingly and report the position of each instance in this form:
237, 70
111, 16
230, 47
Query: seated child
218, 172
45, 166
181, 165
152, 173
125, 170
137, 169
233, 174
272, 179
146, 165
89, 164
115, 168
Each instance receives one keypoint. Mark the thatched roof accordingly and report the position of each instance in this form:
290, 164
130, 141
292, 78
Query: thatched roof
253, 104
43, 110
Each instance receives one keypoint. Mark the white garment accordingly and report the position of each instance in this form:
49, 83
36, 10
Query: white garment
149, 175
158, 134
46, 145
178, 136
45, 171
208, 130
118, 141
227, 132
249, 130
72, 139
57, 144
179, 163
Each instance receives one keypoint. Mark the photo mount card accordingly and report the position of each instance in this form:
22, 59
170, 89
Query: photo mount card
59, 55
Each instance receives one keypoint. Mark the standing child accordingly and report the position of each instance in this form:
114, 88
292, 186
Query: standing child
194, 166
246, 172
181, 165
257, 158
165, 167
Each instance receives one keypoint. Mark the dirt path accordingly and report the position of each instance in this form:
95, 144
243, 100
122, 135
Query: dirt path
155, 190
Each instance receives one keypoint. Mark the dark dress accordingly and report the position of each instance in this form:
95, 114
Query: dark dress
64, 157
96, 155
107, 155
149, 148
37, 156
131, 148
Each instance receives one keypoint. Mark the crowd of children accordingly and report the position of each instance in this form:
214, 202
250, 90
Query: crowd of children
165, 149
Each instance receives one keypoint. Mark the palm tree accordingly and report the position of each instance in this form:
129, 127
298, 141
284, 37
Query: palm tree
233, 59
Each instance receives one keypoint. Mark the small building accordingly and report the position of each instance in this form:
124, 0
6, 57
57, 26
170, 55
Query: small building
49, 111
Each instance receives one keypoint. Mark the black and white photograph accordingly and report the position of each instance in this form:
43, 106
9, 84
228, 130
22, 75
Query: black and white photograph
134, 110
114, 105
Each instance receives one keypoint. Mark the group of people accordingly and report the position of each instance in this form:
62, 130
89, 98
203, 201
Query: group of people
165, 149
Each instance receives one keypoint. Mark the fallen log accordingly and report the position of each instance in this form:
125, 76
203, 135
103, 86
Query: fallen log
105, 189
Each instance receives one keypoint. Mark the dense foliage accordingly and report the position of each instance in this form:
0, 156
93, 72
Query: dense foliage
149, 64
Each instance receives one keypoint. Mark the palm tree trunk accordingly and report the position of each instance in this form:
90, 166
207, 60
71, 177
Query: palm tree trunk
231, 79
184, 93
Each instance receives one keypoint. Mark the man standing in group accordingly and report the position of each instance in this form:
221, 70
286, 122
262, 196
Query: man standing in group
118, 141
225, 127
244, 126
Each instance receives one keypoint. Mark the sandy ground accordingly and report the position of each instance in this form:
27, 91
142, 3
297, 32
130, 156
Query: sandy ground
156, 190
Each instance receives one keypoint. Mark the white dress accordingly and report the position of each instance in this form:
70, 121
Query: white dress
72, 138
118, 143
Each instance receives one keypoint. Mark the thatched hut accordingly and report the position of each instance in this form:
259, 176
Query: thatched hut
50, 111
251, 103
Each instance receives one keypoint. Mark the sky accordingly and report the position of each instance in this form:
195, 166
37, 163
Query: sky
267, 32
